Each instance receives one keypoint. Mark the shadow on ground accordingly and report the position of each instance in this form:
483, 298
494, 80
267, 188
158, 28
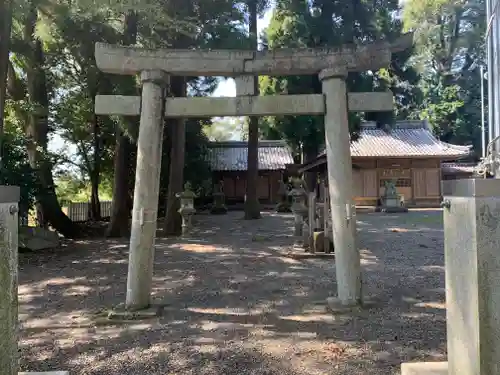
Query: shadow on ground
235, 304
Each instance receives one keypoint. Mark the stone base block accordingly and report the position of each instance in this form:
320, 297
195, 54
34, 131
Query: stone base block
305, 255
120, 313
391, 210
318, 242
424, 368
218, 210
45, 373
35, 239
283, 207
334, 305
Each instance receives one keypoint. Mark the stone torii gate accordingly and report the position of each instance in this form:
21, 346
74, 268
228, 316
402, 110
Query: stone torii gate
155, 66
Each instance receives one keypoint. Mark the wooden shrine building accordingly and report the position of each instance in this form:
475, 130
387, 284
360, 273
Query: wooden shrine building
228, 162
408, 154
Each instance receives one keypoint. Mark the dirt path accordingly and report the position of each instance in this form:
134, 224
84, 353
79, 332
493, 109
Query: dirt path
236, 305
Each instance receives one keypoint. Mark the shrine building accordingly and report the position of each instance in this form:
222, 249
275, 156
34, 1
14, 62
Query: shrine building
228, 162
409, 155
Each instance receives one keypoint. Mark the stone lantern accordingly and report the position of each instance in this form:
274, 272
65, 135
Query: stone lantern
187, 207
299, 207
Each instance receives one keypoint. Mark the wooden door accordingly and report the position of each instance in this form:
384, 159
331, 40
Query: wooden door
357, 182
370, 183
432, 177
229, 188
419, 183
263, 188
240, 188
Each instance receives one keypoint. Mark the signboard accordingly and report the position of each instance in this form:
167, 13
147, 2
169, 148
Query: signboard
396, 173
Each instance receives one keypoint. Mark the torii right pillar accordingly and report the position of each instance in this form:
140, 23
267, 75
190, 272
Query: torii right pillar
340, 185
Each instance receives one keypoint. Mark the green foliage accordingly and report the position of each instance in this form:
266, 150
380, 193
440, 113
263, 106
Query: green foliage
441, 108
450, 49
69, 32
449, 33
73, 117
71, 188
16, 169
196, 169
225, 129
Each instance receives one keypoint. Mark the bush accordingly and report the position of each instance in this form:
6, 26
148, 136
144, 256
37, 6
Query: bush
16, 169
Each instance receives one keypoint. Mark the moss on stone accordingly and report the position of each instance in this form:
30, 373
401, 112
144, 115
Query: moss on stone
319, 242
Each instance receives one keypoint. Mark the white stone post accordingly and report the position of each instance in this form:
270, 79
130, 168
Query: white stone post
9, 198
472, 261
471, 213
147, 180
340, 184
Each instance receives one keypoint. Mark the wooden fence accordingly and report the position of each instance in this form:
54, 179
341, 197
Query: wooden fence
81, 211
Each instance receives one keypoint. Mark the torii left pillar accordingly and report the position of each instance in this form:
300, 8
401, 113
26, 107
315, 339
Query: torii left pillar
147, 182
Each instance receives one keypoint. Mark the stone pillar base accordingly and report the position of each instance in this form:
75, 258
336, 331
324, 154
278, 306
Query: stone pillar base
122, 313
335, 305
391, 210
424, 368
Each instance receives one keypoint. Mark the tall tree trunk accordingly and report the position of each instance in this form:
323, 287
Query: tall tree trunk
5, 27
95, 205
252, 206
121, 206
37, 129
177, 130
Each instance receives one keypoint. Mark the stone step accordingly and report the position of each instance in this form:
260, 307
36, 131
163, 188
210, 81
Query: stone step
424, 368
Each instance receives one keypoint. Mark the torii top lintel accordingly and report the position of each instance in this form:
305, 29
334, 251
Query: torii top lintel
354, 58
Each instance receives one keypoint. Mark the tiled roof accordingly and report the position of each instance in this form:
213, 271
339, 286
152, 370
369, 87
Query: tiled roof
458, 167
412, 138
406, 138
232, 155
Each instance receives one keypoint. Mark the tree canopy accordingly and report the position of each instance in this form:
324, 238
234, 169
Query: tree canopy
47, 55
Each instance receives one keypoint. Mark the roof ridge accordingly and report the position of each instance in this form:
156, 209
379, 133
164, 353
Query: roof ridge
411, 124
463, 163
407, 138
235, 144
232, 155
456, 147
400, 124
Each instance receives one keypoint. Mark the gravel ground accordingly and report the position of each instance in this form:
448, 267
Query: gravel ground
236, 305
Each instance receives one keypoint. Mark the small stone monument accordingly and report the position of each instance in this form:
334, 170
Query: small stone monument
391, 201
219, 204
299, 208
284, 203
187, 207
